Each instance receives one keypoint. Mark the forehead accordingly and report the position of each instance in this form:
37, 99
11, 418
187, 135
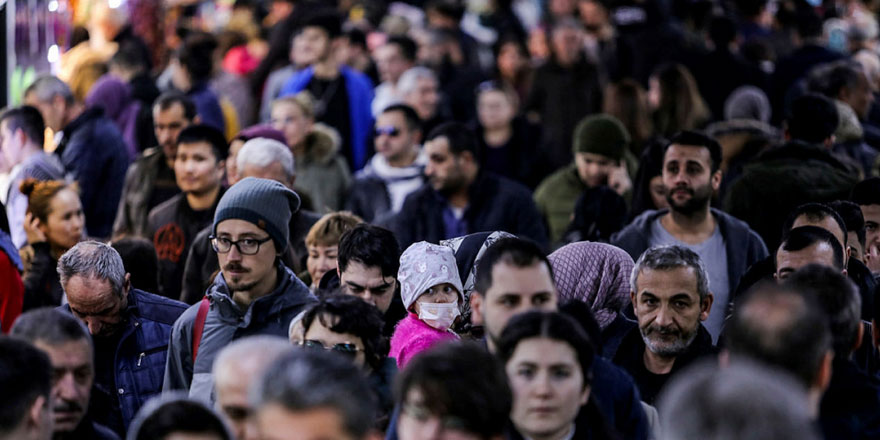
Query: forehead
684, 153
174, 112
819, 253
437, 146
366, 276
194, 148
593, 157
544, 351
872, 211
521, 281
235, 227
70, 352
667, 283
286, 109
387, 51
426, 83
390, 118
83, 292
323, 333
313, 32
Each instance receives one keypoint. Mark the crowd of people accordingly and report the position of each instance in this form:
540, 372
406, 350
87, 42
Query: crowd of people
446, 219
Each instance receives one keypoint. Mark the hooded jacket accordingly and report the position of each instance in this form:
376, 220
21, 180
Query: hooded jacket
225, 322
322, 173
744, 246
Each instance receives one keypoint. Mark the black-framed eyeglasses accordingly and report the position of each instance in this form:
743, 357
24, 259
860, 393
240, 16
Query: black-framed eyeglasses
344, 348
245, 246
389, 130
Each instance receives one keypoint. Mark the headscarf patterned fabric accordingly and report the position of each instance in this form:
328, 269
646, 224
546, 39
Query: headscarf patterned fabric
595, 273
424, 265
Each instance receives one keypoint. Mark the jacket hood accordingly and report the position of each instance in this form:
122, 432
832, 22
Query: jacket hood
322, 144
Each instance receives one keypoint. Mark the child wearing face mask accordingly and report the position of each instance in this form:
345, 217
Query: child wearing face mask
431, 292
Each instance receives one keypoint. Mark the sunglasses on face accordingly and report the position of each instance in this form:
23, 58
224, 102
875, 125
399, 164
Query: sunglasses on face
346, 349
389, 130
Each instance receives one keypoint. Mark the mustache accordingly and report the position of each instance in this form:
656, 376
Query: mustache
662, 330
236, 267
67, 406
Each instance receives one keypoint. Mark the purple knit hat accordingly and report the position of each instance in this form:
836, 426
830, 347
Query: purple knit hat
261, 131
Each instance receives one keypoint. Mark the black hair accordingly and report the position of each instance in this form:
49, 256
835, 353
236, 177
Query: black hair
50, 326
852, 218
866, 192
181, 416
840, 75
722, 31
327, 20
356, 37
750, 8
129, 57
140, 260
795, 339
29, 120
516, 252
25, 375
815, 212
461, 380
350, 314
509, 38
413, 122
583, 315
650, 166
459, 136
805, 236
196, 54
813, 118
205, 133
408, 47
453, 9
550, 325
809, 24
838, 297
371, 246
701, 140
168, 99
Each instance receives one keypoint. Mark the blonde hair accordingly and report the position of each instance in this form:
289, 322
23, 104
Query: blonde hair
329, 229
303, 100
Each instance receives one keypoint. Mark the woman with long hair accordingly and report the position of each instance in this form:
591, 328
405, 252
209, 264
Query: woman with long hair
676, 101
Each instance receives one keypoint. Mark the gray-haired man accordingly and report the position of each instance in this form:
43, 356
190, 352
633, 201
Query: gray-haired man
130, 329
670, 297
313, 394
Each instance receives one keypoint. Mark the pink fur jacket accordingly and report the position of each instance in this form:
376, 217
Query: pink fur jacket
412, 336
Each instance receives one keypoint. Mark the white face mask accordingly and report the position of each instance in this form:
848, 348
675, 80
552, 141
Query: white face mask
439, 315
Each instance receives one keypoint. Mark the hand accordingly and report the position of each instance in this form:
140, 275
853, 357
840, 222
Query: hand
32, 229
619, 179
872, 258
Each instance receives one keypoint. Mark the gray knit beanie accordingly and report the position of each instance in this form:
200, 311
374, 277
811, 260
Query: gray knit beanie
263, 202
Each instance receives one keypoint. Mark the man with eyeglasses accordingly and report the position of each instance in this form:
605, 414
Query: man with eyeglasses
255, 294
395, 171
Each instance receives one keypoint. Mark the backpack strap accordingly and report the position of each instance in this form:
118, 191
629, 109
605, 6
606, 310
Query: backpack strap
199, 326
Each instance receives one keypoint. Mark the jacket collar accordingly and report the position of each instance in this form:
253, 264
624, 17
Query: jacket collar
632, 348
289, 293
